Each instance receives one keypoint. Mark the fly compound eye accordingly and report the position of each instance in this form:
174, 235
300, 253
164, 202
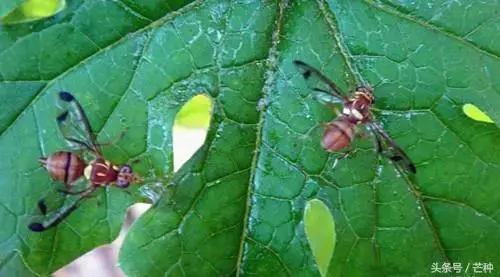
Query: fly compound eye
366, 90
122, 182
126, 169
124, 176
67, 167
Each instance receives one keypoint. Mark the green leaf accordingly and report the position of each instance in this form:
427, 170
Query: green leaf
7, 7
320, 231
236, 208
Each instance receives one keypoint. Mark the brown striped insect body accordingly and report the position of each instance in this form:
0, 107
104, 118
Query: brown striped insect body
101, 173
340, 133
67, 167
64, 166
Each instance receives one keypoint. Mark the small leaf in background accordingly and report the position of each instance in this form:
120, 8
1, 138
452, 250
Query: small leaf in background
34, 10
195, 113
320, 232
475, 113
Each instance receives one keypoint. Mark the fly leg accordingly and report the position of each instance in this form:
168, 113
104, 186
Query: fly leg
307, 135
349, 150
378, 145
72, 192
99, 198
379, 148
345, 154
362, 134
329, 105
116, 139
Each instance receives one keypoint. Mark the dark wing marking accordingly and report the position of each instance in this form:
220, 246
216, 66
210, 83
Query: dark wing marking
55, 220
74, 124
53, 200
313, 76
388, 147
59, 215
42, 206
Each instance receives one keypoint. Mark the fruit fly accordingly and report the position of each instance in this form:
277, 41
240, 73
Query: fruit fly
340, 132
67, 167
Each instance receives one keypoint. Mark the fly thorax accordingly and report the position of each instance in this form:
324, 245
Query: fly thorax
88, 171
353, 114
346, 111
357, 114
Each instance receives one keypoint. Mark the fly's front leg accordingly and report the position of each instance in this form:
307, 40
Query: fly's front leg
307, 135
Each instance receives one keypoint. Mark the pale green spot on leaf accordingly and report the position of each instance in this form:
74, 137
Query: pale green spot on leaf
32, 10
475, 113
320, 232
195, 113
237, 204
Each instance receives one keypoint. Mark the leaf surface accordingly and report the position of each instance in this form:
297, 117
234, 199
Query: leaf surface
8, 6
236, 208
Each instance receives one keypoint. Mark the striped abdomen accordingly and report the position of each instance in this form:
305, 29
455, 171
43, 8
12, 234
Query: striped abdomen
338, 135
63, 166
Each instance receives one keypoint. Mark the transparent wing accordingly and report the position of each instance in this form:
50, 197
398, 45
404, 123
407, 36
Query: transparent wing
388, 147
56, 198
50, 217
317, 81
74, 124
